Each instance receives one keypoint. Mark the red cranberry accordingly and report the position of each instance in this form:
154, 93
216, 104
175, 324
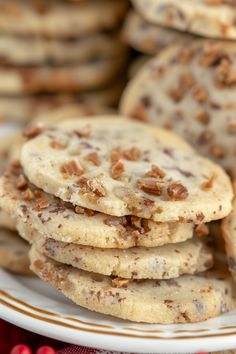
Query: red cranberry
45, 350
21, 349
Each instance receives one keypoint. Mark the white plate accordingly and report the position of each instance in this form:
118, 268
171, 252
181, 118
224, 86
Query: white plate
33, 305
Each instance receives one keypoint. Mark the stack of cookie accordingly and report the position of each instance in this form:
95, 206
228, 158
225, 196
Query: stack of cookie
14, 249
195, 78
55, 52
114, 210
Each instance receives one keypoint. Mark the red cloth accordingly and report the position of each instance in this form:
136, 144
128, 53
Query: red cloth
11, 335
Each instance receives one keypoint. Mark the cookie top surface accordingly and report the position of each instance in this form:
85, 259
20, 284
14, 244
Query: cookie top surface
100, 164
165, 262
196, 86
209, 18
60, 19
189, 298
149, 38
63, 222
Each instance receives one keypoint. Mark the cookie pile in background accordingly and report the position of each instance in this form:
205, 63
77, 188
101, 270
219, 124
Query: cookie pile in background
56, 52
189, 86
118, 226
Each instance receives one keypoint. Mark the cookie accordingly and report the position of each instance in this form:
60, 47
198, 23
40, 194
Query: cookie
59, 19
6, 221
166, 262
14, 252
64, 222
148, 38
22, 109
6, 144
189, 298
229, 234
208, 18
52, 117
74, 78
121, 167
196, 86
38, 50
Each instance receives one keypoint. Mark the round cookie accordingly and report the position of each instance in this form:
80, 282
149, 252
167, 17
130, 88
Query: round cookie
148, 38
22, 109
63, 222
196, 86
166, 262
121, 167
208, 18
229, 234
14, 252
56, 18
189, 298
38, 50
74, 78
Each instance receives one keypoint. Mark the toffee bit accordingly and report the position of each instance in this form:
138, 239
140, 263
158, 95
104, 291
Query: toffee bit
117, 169
121, 283
38, 193
94, 158
96, 187
205, 137
139, 112
92, 186
176, 94
15, 167
186, 55
27, 195
176, 191
206, 186
200, 217
199, 93
72, 168
231, 129
32, 131
115, 155
217, 151
42, 204
57, 145
202, 117
21, 183
150, 185
84, 211
132, 154
155, 172
84, 132
202, 230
